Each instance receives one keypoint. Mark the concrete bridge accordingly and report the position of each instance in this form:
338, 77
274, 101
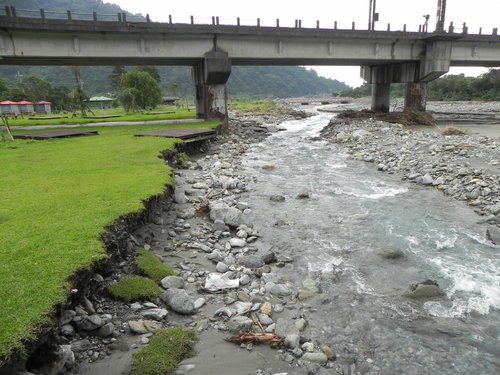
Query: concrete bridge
385, 57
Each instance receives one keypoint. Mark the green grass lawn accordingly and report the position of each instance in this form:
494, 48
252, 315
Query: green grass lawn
153, 115
252, 105
56, 198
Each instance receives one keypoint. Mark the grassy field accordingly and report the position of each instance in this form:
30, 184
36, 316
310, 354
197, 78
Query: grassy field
57, 196
252, 105
160, 113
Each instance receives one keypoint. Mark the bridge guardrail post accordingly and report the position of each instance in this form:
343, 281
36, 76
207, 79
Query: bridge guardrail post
42, 14
119, 17
148, 20
404, 27
170, 18
237, 21
7, 11
68, 12
94, 16
124, 17
258, 22
277, 22
192, 20
495, 31
335, 25
217, 20
13, 11
353, 25
317, 24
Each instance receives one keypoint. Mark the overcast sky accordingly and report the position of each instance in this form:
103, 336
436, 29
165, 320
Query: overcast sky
476, 13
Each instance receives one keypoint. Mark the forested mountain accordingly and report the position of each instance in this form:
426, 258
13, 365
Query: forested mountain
248, 81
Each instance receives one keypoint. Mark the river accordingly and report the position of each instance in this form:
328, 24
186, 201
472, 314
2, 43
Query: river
336, 238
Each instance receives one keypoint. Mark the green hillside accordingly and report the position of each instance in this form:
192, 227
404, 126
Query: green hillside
245, 81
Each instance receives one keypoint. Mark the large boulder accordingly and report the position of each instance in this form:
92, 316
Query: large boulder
493, 234
229, 215
178, 300
427, 289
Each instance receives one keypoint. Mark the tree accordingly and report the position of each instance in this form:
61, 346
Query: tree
79, 95
151, 70
116, 76
4, 89
139, 90
32, 88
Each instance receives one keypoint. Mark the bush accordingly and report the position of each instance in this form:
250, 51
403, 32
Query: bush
134, 288
166, 349
151, 266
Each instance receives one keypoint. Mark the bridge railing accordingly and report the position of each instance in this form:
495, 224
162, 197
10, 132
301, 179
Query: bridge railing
12, 12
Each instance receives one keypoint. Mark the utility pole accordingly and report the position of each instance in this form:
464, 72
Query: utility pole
441, 12
373, 15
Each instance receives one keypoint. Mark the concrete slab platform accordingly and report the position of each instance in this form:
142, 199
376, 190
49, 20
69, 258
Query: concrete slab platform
56, 134
184, 134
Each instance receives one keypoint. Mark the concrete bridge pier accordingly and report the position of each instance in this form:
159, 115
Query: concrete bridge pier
381, 77
381, 97
416, 96
210, 78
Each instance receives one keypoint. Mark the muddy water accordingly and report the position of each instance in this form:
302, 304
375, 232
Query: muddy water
336, 237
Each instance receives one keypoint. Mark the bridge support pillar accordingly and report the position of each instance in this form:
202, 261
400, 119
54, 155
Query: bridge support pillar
416, 96
381, 97
210, 79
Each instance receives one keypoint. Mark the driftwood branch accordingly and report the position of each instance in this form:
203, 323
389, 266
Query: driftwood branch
275, 341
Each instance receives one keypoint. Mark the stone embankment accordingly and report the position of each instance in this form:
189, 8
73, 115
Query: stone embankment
461, 166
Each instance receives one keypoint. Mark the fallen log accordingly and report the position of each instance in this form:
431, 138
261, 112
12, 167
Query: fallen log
275, 341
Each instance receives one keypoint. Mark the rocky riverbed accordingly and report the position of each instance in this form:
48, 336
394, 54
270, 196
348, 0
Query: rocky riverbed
464, 167
234, 275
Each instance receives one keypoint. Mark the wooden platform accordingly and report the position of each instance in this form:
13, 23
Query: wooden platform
188, 135
56, 134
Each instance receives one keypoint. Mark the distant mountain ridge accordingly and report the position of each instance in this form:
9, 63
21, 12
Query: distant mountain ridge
247, 81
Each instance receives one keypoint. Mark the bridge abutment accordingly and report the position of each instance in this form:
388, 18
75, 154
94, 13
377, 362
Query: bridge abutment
210, 78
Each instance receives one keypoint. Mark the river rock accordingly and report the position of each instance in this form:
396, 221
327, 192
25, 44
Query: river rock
90, 323
221, 267
244, 280
186, 214
239, 323
106, 330
198, 303
493, 234
327, 350
220, 226
277, 198
229, 215
180, 197
316, 357
175, 282
285, 327
424, 290
178, 300
237, 242
391, 253
280, 290
425, 179
251, 261
67, 316
200, 185
292, 341
80, 345
67, 330
143, 326
265, 320
155, 313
